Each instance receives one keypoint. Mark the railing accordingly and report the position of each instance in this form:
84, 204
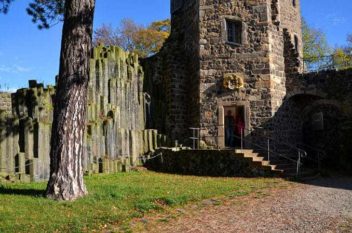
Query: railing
319, 154
330, 62
269, 148
273, 153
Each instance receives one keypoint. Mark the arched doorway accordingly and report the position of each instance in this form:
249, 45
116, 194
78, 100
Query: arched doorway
321, 130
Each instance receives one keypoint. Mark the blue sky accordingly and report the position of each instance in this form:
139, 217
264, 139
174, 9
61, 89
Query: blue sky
27, 53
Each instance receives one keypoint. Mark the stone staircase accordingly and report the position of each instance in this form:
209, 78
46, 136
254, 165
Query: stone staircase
278, 166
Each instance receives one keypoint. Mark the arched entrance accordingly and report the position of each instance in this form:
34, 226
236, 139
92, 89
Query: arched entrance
321, 129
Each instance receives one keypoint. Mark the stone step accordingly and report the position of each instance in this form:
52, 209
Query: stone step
278, 165
267, 163
244, 151
258, 159
278, 171
252, 155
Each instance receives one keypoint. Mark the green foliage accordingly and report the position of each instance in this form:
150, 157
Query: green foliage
315, 45
343, 55
4, 5
113, 200
342, 60
45, 13
145, 41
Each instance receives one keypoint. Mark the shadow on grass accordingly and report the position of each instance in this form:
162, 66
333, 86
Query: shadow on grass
22, 192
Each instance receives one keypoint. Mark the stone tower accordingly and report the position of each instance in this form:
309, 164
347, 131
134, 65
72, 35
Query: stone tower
224, 56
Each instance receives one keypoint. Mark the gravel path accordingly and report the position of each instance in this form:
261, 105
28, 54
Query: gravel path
323, 205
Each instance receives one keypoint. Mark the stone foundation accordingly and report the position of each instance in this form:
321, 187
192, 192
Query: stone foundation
206, 163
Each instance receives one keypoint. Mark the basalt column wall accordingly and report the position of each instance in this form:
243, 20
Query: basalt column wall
25, 133
7, 143
116, 111
116, 135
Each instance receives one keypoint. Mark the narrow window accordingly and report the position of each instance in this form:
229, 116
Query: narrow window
294, 3
234, 31
296, 43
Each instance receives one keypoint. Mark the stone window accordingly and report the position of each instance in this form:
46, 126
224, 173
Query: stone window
296, 43
234, 31
294, 3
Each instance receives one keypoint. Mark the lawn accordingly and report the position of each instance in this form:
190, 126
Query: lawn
113, 200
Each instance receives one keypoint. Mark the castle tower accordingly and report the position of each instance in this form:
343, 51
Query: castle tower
228, 56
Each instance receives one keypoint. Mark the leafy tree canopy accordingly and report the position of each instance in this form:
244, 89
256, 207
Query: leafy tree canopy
315, 45
45, 13
145, 41
343, 55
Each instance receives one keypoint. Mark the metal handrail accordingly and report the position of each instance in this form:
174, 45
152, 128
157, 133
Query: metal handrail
326, 62
267, 149
301, 153
279, 142
298, 162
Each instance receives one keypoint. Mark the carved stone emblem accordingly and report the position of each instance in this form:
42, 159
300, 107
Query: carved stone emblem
233, 81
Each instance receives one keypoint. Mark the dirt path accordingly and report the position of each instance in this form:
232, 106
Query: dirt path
324, 205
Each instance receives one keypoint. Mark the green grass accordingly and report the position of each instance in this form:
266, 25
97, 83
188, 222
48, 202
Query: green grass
113, 200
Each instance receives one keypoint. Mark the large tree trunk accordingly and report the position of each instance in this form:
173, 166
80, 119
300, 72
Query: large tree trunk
66, 172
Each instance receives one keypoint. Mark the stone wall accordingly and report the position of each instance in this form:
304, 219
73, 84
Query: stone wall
186, 79
5, 102
248, 61
206, 163
25, 133
262, 61
116, 135
285, 34
315, 115
172, 75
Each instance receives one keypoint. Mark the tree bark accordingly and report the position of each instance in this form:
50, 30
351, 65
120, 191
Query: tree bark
70, 104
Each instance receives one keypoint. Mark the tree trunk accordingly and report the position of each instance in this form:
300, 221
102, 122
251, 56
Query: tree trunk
66, 172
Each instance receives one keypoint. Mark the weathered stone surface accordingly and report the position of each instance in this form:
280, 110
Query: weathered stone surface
206, 163
115, 120
186, 78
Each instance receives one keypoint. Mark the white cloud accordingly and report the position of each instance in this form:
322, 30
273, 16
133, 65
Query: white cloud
14, 69
335, 19
5, 69
9, 90
21, 69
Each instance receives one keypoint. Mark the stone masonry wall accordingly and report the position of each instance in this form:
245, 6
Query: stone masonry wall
315, 114
116, 134
172, 75
186, 79
263, 59
285, 58
206, 163
248, 60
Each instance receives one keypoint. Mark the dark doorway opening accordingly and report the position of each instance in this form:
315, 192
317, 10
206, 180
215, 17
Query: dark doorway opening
234, 126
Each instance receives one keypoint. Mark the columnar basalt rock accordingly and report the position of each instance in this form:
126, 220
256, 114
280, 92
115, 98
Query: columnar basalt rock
115, 121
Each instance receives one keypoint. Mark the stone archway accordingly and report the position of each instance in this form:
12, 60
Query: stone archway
321, 128
286, 125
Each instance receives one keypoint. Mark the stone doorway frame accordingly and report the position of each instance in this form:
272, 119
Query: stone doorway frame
221, 119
